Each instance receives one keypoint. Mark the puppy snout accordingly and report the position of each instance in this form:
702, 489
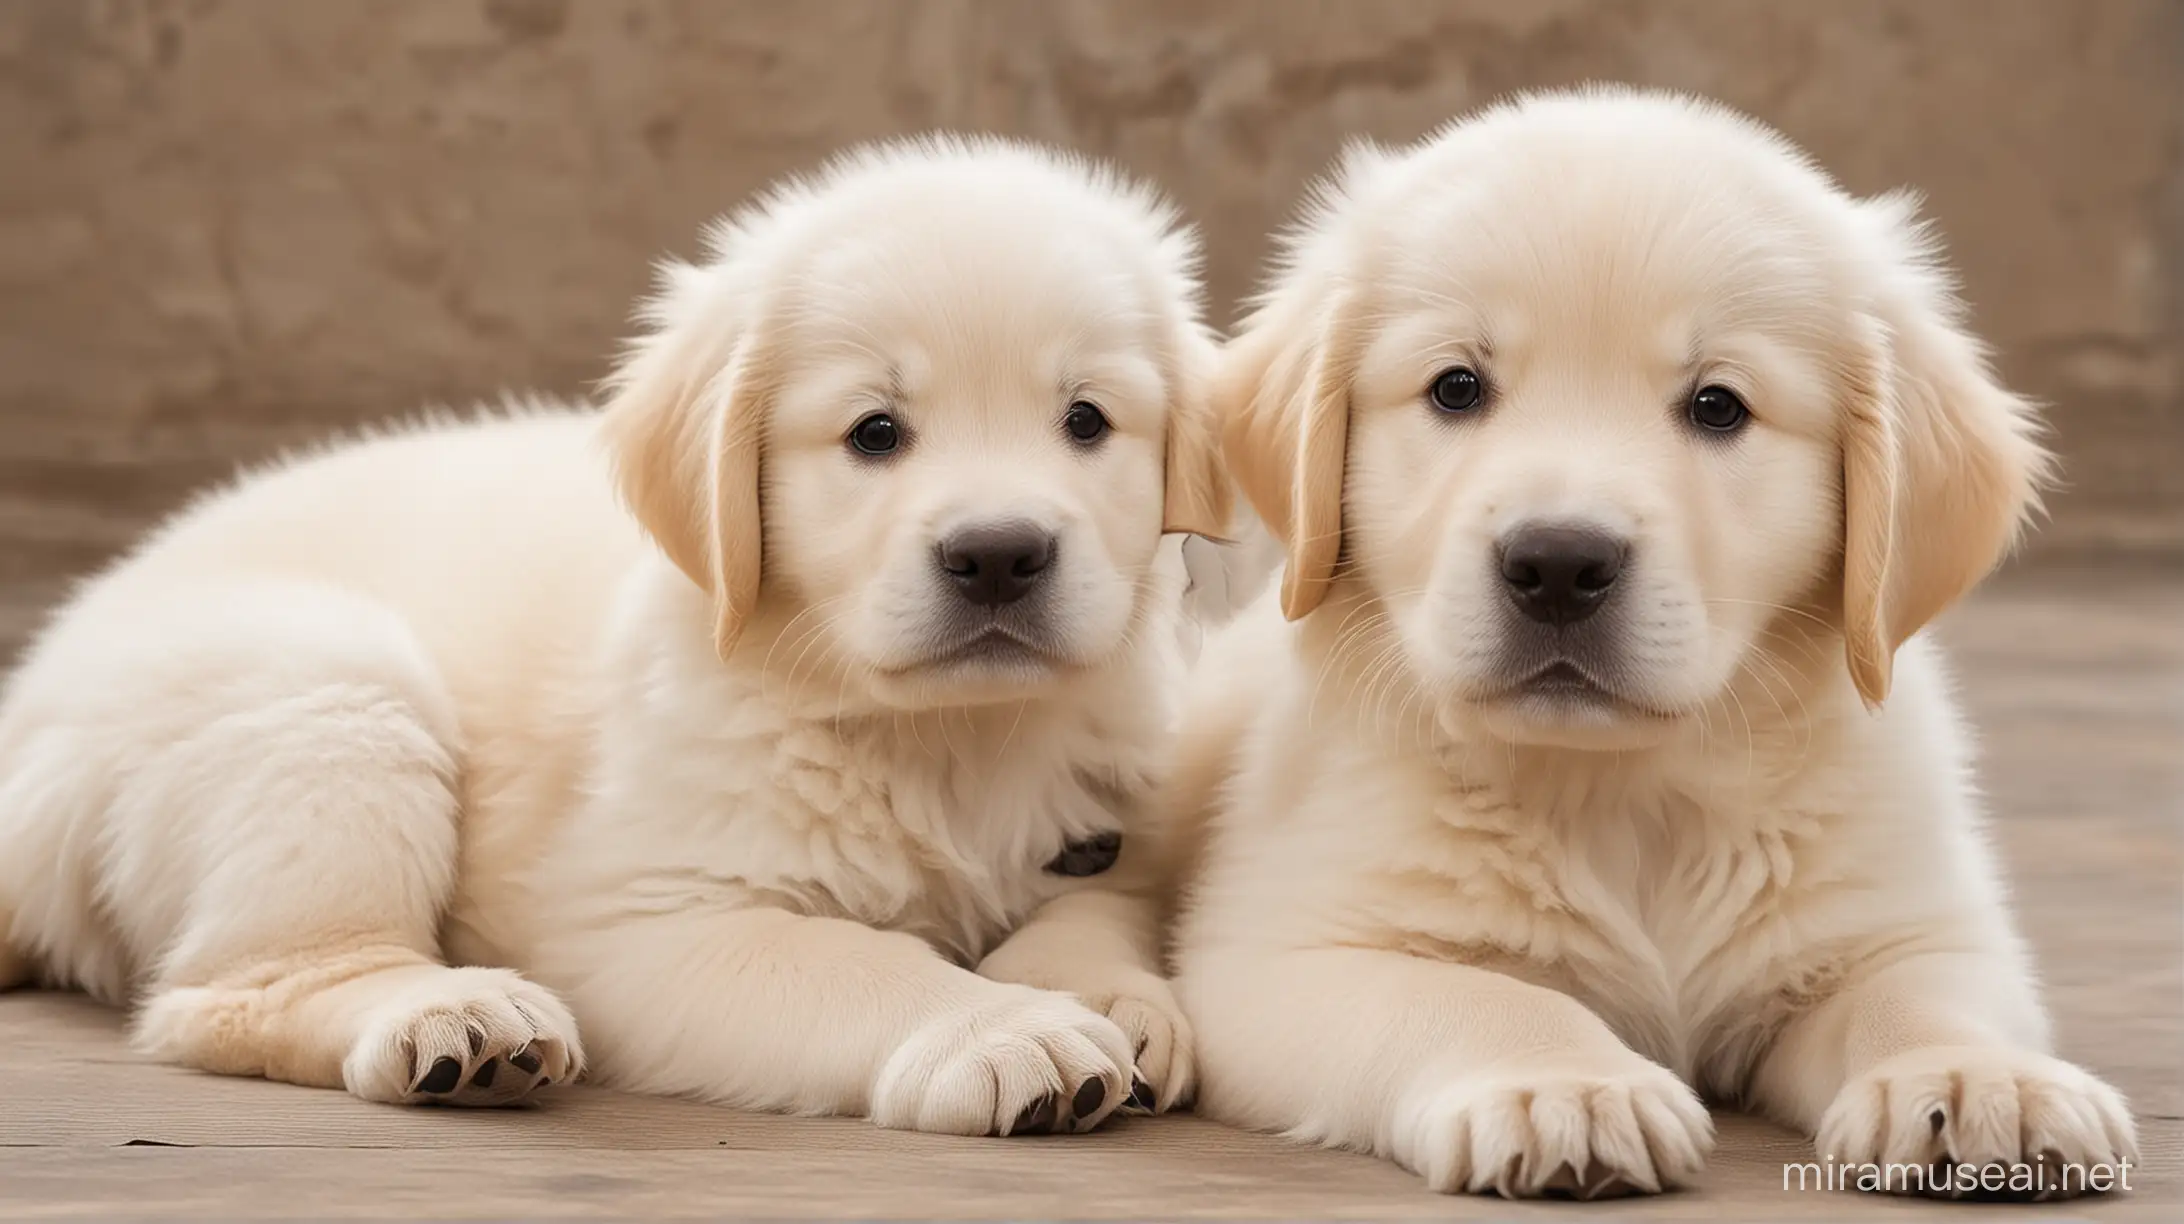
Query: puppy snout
996, 563
1560, 573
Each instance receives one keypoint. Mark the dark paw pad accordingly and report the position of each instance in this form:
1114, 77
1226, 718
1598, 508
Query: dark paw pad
1141, 1097
1584, 1185
1037, 1118
444, 1075
1091, 1094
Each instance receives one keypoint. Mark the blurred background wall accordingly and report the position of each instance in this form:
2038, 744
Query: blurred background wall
230, 225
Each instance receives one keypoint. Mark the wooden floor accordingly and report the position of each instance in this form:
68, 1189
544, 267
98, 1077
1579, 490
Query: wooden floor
2077, 679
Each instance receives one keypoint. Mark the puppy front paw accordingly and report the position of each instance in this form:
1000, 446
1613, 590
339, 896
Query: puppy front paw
1562, 1127
1024, 1061
463, 1036
1963, 1121
1144, 1008
1141, 1004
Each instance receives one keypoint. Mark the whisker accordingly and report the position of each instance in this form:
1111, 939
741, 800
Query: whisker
1774, 607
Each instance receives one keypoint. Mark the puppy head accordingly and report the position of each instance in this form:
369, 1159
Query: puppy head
924, 418
1596, 394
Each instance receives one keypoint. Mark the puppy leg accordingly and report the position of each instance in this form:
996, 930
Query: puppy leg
246, 815
764, 1009
1475, 1080
1939, 1063
1104, 948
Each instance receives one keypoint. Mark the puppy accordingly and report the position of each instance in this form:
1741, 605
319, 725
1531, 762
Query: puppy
1619, 457
869, 675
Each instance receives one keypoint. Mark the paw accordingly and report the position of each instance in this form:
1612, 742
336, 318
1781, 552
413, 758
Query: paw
464, 1037
1980, 1121
1144, 1008
1557, 1128
1022, 1061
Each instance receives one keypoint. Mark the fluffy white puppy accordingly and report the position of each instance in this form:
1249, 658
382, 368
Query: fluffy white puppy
1619, 456
872, 678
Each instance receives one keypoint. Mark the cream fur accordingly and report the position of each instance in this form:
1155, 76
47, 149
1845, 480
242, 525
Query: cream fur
1507, 941
318, 771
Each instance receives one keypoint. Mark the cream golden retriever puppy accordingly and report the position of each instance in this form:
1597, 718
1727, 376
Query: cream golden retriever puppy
1620, 457
398, 766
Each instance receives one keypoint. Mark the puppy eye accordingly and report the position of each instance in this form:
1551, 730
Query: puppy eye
1718, 410
1457, 389
876, 434
1085, 422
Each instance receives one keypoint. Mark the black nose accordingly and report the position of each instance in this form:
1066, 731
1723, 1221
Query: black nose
1560, 575
996, 563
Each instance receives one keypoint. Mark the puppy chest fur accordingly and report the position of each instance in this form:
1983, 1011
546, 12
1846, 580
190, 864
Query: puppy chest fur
1694, 924
941, 825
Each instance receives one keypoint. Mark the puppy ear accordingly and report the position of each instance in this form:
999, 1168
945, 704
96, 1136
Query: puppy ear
684, 426
1283, 391
1198, 500
1942, 466
1284, 394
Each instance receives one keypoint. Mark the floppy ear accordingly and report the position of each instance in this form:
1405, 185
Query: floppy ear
1942, 466
685, 426
1197, 498
1284, 394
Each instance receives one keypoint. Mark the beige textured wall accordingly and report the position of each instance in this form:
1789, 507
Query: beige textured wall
229, 224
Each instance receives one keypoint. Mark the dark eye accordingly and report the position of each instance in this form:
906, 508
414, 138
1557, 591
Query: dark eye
1718, 409
1085, 422
1457, 389
875, 435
